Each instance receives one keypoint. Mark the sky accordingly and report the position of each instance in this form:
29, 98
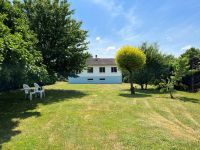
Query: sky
173, 24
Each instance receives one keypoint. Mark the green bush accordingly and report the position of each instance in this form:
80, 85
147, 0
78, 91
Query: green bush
20, 61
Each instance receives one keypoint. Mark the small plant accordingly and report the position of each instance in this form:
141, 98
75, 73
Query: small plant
168, 86
180, 69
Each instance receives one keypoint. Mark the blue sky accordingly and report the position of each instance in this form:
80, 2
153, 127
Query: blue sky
173, 24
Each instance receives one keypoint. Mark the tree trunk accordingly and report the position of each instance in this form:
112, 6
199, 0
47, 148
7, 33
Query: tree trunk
142, 86
192, 83
132, 89
171, 95
146, 86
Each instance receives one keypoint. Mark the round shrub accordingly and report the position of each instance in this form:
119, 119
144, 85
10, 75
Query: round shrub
130, 58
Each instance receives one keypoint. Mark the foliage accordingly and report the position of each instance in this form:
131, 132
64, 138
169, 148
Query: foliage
180, 69
148, 72
191, 79
193, 56
168, 86
61, 40
19, 59
157, 66
129, 58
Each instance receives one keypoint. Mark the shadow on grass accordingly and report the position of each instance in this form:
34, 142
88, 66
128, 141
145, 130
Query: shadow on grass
148, 91
140, 93
137, 95
191, 100
14, 107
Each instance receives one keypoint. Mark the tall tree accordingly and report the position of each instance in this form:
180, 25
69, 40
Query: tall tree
61, 40
191, 79
156, 66
20, 62
130, 59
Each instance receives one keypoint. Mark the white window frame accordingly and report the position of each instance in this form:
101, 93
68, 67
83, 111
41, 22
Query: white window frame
114, 71
101, 68
91, 68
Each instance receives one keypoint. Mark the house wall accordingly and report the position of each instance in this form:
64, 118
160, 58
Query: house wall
110, 77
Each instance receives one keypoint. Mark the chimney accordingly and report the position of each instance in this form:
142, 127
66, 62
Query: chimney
96, 58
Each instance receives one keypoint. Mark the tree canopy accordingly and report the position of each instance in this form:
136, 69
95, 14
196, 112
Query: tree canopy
156, 68
192, 78
130, 58
39, 39
20, 61
61, 40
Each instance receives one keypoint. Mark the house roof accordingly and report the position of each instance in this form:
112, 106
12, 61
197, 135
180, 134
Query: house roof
101, 62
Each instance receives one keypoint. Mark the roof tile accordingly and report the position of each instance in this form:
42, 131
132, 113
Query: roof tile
100, 61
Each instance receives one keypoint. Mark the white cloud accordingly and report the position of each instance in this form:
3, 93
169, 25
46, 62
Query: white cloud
186, 47
169, 38
105, 48
111, 48
127, 32
111, 6
98, 38
116, 9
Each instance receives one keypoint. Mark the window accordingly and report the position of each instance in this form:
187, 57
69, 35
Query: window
102, 69
90, 79
102, 79
113, 69
90, 70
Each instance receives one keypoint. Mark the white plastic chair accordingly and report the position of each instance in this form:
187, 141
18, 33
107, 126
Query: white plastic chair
28, 92
39, 90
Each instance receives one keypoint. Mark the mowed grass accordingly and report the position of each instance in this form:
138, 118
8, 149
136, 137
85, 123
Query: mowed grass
99, 117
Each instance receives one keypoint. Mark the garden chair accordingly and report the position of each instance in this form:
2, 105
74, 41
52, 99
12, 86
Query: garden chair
28, 92
39, 90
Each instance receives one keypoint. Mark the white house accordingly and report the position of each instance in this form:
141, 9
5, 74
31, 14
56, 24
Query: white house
99, 71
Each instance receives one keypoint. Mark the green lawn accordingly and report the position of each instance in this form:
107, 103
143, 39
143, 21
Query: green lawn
99, 117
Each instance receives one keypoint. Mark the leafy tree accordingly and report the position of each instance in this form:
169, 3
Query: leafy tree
180, 69
61, 40
156, 66
130, 59
193, 56
19, 59
186, 72
145, 75
190, 79
142, 77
